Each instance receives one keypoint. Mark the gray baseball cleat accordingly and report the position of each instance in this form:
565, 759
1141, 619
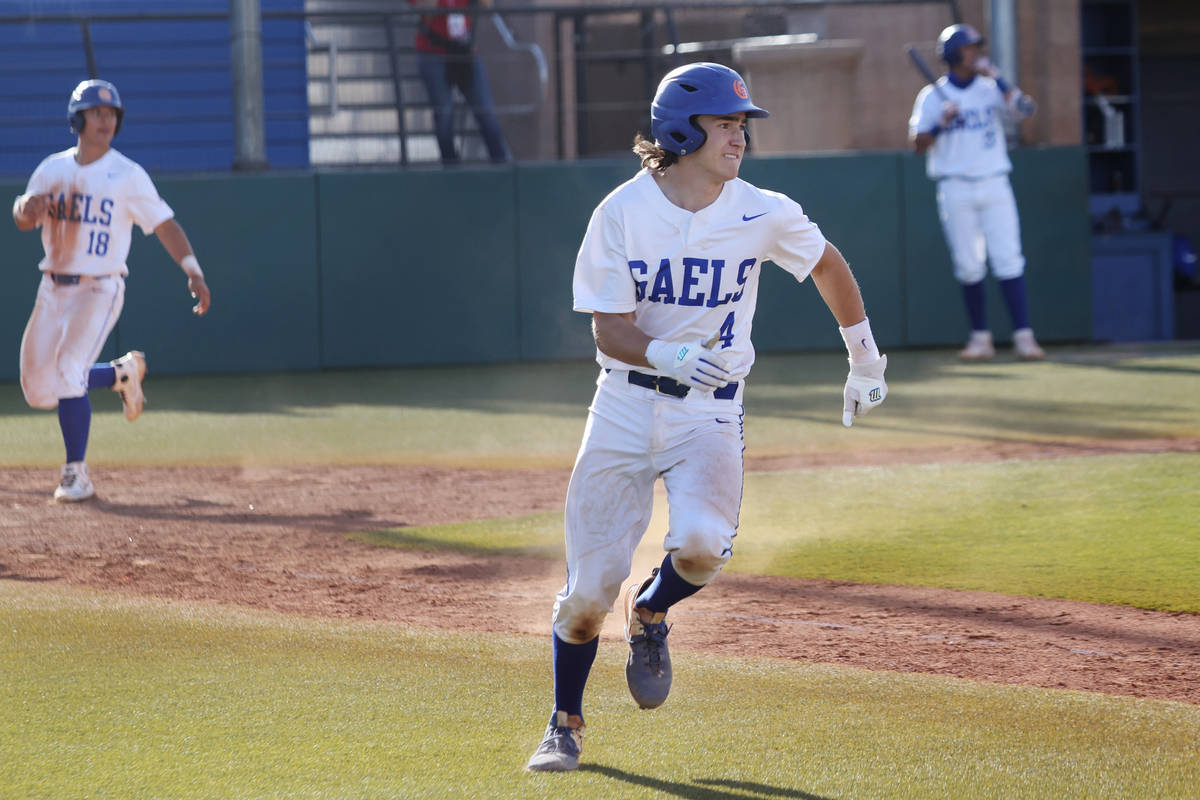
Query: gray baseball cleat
560, 748
131, 371
648, 668
75, 484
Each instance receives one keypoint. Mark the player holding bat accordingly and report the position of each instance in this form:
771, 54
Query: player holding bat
958, 122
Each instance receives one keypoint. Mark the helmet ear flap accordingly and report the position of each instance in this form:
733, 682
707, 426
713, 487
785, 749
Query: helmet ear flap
78, 121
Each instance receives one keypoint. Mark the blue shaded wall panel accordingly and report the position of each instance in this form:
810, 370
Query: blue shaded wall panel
175, 78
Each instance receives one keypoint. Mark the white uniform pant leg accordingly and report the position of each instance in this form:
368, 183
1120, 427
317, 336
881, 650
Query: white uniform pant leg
609, 502
1001, 228
704, 491
963, 227
64, 336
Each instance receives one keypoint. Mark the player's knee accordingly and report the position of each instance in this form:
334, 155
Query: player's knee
970, 273
579, 615
39, 397
698, 562
1006, 271
579, 628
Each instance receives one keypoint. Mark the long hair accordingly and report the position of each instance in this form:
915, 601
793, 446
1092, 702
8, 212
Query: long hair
653, 157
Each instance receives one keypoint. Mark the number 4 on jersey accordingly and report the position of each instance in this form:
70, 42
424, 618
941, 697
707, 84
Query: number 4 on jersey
725, 335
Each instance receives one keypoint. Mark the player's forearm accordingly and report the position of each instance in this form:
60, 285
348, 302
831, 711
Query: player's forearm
618, 337
922, 142
175, 241
838, 287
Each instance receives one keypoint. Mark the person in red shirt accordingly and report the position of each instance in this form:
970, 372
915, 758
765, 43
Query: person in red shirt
445, 45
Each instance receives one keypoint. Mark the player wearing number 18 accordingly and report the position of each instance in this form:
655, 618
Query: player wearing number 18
669, 270
86, 201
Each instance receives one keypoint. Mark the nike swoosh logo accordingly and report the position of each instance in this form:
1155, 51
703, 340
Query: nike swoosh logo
724, 421
864, 343
756, 216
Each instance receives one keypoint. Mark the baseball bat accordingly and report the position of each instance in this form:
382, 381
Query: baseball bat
924, 69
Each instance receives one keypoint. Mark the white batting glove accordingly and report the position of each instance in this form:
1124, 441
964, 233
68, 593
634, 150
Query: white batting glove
690, 363
865, 389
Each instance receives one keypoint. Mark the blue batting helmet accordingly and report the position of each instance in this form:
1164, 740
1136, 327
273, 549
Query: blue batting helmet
89, 94
953, 38
691, 90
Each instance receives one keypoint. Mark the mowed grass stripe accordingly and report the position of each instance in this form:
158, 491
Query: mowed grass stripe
1112, 529
532, 415
110, 696
1118, 529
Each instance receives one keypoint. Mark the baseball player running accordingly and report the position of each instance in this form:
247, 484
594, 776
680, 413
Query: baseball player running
86, 200
669, 270
958, 124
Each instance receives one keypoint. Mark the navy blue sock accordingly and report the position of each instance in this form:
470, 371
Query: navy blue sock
572, 663
666, 589
102, 376
1016, 300
75, 419
976, 305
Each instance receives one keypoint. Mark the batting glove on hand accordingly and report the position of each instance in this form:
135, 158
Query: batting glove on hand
865, 389
690, 363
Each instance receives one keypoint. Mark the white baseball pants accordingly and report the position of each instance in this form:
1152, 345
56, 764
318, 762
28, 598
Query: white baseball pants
64, 336
979, 218
633, 437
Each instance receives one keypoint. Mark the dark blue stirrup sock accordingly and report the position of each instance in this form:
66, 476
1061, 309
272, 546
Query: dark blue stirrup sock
102, 376
75, 419
976, 304
666, 589
572, 663
1017, 301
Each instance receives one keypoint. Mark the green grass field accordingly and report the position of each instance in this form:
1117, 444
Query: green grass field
111, 697
107, 696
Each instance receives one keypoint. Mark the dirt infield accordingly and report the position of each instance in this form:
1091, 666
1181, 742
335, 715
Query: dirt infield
273, 538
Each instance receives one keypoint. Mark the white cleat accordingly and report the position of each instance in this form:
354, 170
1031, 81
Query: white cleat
560, 749
131, 371
1026, 347
75, 484
979, 347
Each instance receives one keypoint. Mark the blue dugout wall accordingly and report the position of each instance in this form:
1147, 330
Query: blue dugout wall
311, 271
174, 77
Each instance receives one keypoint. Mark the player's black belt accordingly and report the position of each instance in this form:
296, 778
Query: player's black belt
71, 280
675, 388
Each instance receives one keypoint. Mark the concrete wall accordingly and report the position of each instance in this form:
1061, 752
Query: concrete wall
396, 268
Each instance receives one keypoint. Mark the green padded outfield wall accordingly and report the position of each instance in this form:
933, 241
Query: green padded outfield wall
418, 267
312, 270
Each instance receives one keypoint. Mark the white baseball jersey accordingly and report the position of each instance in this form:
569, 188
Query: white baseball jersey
974, 145
88, 228
690, 275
